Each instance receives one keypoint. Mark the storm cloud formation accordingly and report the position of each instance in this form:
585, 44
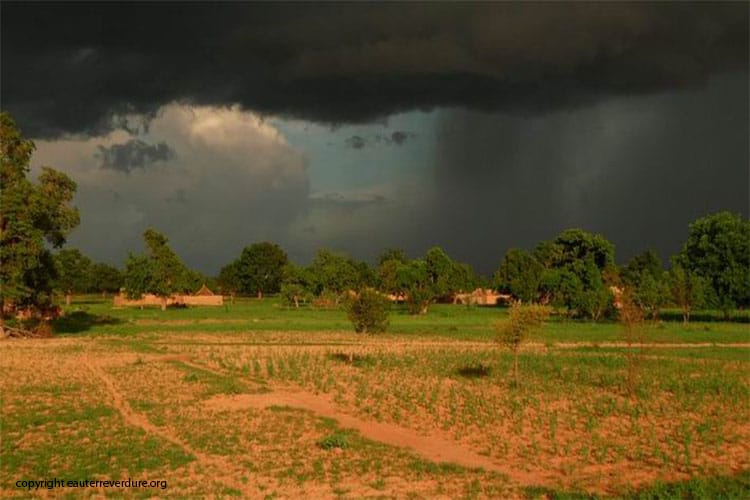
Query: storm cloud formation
68, 67
133, 154
474, 126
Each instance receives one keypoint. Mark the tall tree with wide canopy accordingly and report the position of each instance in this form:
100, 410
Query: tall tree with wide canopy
32, 216
260, 268
161, 272
519, 274
333, 272
718, 248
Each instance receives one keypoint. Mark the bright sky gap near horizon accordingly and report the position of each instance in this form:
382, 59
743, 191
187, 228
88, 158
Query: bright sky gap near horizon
475, 127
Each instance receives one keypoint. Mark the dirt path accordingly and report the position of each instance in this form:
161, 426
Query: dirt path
435, 448
133, 418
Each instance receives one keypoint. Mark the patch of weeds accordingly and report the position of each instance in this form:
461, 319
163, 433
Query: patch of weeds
474, 371
336, 439
724, 487
539, 493
358, 360
423, 466
217, 384
285, 409
378, 484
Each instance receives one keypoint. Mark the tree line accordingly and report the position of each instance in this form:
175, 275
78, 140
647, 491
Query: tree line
575, 272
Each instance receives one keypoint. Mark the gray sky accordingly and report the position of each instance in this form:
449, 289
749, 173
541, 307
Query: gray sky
476, 127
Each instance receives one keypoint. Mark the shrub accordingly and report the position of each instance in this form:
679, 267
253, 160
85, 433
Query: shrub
368, 311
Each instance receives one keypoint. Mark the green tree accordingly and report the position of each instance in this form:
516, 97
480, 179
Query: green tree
229, 279
105, 278
140, 276
562, 289
260, 268
519, 274
32, 215
718, 249
388, 276
73, 272
418, 285
296, 286
396, 254
575, 263
687, 289
593, 298
333, 272
161, 272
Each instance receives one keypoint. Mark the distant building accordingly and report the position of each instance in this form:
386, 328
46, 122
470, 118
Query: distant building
203, 297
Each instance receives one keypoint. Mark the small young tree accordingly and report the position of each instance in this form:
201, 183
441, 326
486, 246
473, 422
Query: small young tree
522, 321
687, 289
631, 318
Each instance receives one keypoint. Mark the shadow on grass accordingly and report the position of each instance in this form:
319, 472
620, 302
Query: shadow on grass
355, 360
81, 321
474, 371
739, 316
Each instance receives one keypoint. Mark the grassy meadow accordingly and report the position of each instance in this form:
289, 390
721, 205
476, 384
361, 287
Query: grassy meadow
258, 400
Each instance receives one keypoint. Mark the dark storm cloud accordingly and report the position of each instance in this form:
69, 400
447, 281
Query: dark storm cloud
338, 201
400, 137
67, 67
397, 138
637, 169
356, 142
133, 154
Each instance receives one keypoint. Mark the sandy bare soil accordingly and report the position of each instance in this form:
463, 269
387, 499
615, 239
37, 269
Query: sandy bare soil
249, 418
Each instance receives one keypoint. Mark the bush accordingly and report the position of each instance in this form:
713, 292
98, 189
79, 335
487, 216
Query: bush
368, 311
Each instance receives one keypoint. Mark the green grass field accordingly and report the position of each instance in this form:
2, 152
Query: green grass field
258, 400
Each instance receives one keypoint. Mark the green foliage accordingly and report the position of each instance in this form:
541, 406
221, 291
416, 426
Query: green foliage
573, 245
139, 276
368, 311
396, 254
687, 289
644, 276
105, 278
161, 272
575, 264
30, 215
519, 274
295, 294
718, 249
260, 268
337, 439
169, 273
414, 277
73, 271
333, 272
523, 319
562, 288
229, 279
